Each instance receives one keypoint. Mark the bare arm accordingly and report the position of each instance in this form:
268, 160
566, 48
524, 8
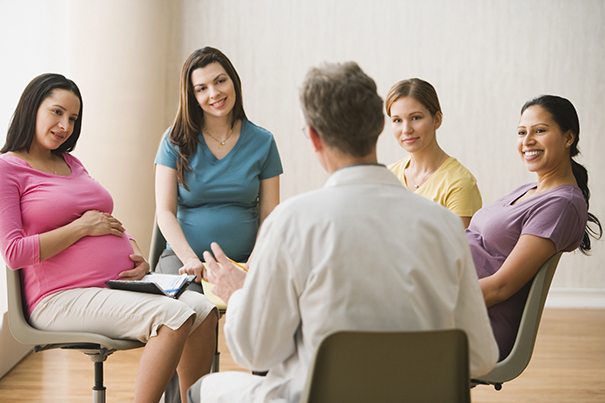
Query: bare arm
166, 208
518, 269
92, 223
268, 196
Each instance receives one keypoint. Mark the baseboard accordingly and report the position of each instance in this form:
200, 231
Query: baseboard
579, 298
11, 351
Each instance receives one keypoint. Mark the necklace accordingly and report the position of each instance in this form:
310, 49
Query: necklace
414, 182
220, 143
53, 170
36, 163
427, 175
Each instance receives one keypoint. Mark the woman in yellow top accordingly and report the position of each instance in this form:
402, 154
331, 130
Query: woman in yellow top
416, 115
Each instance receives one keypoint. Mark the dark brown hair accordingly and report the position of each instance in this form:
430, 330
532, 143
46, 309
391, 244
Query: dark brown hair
22, 128
189, 119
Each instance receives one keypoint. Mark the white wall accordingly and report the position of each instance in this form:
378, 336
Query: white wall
485, 58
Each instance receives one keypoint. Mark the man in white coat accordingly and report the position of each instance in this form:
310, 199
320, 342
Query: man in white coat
361, 253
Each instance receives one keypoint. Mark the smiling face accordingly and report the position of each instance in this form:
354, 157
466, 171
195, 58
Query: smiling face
413, 125
540, 142
55, 119
213, 90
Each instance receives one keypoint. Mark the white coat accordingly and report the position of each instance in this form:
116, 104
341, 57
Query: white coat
361, 253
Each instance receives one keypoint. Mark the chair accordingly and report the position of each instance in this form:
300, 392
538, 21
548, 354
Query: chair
390, 367
96, 346
518, 359
158, 244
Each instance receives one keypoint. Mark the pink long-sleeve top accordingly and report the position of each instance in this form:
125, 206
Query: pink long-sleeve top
33, 202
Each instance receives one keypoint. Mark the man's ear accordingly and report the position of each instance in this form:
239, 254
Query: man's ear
315, 140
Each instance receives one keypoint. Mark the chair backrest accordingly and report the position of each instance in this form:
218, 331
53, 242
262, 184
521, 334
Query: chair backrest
518, 359
158, 244
390, 367
24, 333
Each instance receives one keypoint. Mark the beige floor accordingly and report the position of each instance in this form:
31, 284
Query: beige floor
568, 366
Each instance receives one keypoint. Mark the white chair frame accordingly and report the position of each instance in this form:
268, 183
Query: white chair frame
518, 359
97, 347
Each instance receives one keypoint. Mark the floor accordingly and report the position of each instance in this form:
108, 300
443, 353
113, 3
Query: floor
568, 366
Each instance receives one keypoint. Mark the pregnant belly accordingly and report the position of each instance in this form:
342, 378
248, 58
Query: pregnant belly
93, 260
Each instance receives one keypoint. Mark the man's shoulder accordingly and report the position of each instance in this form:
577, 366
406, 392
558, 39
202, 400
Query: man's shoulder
396, 199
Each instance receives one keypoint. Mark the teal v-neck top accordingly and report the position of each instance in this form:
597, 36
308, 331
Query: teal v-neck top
221, 204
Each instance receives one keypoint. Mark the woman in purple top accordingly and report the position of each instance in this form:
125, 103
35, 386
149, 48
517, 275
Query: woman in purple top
511, 238
57, 227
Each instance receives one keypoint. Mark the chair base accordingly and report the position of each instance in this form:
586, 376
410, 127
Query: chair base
98, 391
216, 363
475, 382
97, 354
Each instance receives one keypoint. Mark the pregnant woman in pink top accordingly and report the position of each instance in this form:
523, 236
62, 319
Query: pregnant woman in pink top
56, 226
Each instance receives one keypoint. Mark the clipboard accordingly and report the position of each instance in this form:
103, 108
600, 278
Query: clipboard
170, 285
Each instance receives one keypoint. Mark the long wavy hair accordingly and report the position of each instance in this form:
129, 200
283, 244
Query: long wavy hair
22, 128
564, 113
189, 119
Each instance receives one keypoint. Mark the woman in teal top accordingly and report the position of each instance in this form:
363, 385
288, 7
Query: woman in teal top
217, 174
220, 204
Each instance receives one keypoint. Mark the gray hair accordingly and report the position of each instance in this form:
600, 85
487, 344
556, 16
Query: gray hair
341, 103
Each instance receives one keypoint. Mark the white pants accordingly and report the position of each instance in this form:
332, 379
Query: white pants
117, 313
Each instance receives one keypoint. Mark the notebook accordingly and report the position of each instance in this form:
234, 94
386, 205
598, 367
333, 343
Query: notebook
171, 285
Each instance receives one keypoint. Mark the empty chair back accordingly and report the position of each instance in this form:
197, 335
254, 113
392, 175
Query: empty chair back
431, 366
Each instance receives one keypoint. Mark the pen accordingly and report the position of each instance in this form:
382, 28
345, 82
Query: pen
237, 264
